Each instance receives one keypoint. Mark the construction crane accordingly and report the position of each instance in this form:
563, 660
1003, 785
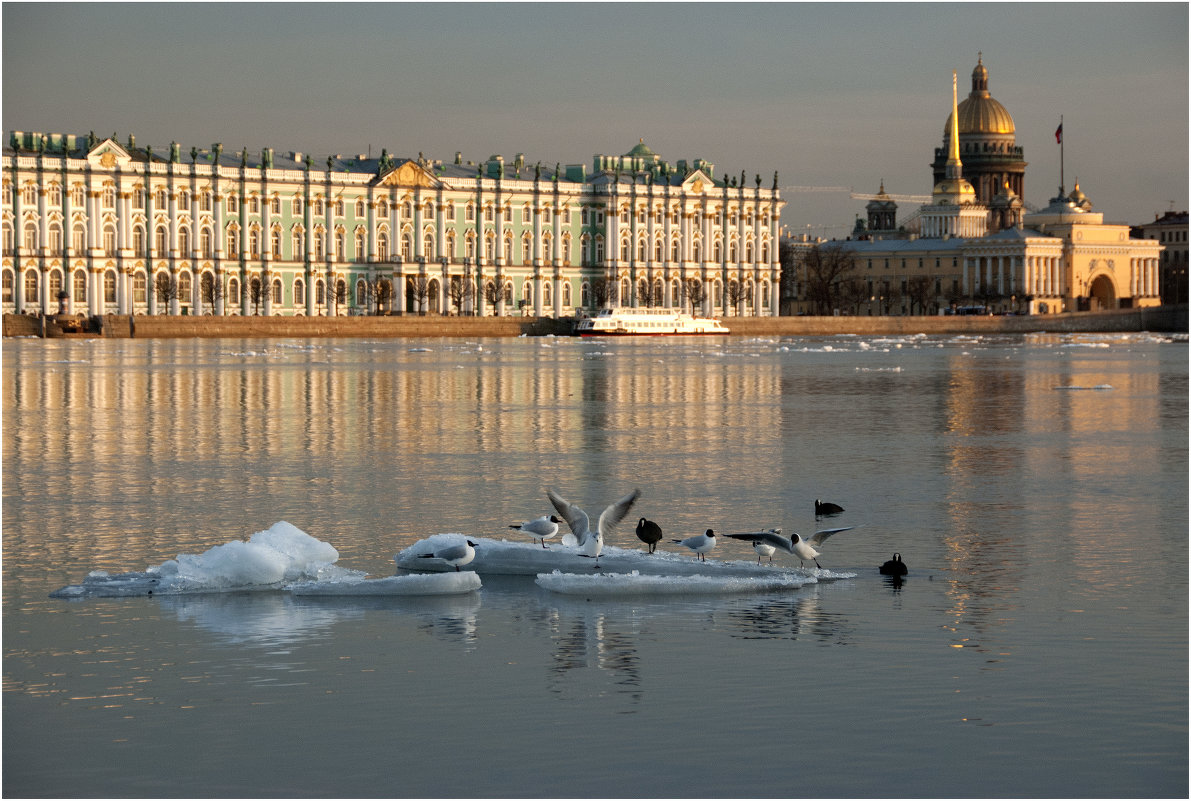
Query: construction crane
889, 196
799, 189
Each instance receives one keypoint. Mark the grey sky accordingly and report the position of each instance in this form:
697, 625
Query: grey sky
827, 94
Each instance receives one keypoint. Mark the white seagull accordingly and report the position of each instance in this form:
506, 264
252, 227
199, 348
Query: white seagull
457, 555
541, 528
802, 548
591, 543
700, 543
763, 549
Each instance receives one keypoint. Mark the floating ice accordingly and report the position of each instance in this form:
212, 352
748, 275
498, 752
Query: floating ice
1097, 387
270, 559
502, 557
634, 583
414, 584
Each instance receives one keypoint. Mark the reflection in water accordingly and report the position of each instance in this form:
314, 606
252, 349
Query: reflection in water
786, 617
594, 652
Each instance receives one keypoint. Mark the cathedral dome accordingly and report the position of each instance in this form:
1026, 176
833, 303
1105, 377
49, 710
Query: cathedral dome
641, 151
980, 113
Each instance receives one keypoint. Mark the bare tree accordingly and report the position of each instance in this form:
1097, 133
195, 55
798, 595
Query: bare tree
920, 290
165, 287
460, 292
853, 292
696, 291
384, 295
826, 266
257, 292
420, 288
601, 292
736, 295
210, 290
492, 294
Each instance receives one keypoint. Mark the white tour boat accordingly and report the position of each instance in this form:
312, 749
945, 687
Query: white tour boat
646, 322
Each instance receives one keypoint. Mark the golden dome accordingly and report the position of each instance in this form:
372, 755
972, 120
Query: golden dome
979, 113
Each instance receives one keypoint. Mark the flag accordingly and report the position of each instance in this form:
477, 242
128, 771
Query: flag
1059, 134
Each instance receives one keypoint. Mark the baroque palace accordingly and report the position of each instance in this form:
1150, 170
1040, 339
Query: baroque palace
976, 242
100, 226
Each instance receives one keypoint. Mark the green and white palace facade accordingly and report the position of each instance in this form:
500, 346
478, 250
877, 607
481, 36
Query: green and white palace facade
100, 226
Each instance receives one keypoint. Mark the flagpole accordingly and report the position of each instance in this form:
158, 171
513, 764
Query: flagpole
1062, 180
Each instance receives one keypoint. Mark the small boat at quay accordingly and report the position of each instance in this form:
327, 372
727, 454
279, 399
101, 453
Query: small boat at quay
647, 322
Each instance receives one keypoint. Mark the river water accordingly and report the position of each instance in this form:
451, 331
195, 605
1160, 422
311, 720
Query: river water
1036, 486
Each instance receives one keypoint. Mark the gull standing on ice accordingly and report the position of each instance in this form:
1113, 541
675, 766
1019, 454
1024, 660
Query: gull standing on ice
763, 549
457, 555
802, 548
541, 529
591, 543
700, 543
649, 533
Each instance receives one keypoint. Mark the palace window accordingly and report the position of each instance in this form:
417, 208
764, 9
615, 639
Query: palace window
183, 200
275, 204
299, 291
159, 198
109, 286
359, 208
428, 245
296, 205
359, 254
340, 244
318, 206
298, 244
526, 243
78, 239
254, 204
139, 287
76, 195
31, 286
6, 291
80, 286
205, 246
233, 241
406, 247
55, 239
54, 195
31, 237
109, 240
275, 243
382, 246
254, 243
469, 213
205, 201
339, 207
277, 299
29, 195
320, 241
233, 204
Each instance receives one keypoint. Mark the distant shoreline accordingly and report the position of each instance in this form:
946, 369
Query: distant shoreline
1164, 319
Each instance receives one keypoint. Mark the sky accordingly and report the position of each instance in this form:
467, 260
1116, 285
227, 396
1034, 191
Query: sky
826, 94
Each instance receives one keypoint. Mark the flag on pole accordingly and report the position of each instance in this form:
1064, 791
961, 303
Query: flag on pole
1059, 134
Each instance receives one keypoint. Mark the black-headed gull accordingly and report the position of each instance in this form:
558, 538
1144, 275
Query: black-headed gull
541, 528
700, 543
763, 549
802, 548
649, 533
591, 543
457, 555
895, 567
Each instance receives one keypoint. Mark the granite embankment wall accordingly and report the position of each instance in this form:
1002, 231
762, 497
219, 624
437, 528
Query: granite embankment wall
1163, 319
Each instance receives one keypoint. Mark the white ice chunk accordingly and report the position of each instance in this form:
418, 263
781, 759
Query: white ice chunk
413, 584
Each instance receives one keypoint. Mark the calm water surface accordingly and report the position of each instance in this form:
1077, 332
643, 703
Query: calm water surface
1036, 486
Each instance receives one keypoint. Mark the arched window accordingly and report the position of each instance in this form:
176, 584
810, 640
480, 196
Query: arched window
407, 247
732, 252
451, 245
78, 239
276, 299
428, 245
80, 286
159, 240
674, 250
640, 250
183, 241
585, 294
320, 244
624, 290
382, 246
6, 287
31, 286
109, 197
340, 245
359, 254
109, 286
360, 209
185, 290
30, 243
361, 292
139, 287
233, 241
658, 250
109, 240
138, 241
29, 194
275, 243
55, 239
55, 284
9, 240
233, 291
526, 249
298, 244
697, 251
254, 243
716, 250
205, 243
508, 248
748, 252
566, 293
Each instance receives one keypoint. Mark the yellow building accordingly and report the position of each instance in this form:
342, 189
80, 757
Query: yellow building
1064, 257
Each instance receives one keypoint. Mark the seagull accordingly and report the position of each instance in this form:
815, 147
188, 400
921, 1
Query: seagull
457, 555
541, 529
895, 567
700, 543
591, 543
763, 549
649, 533
824, 509
796, 545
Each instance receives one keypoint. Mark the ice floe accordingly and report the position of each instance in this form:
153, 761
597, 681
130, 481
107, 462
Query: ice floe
278, 558
502, 557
